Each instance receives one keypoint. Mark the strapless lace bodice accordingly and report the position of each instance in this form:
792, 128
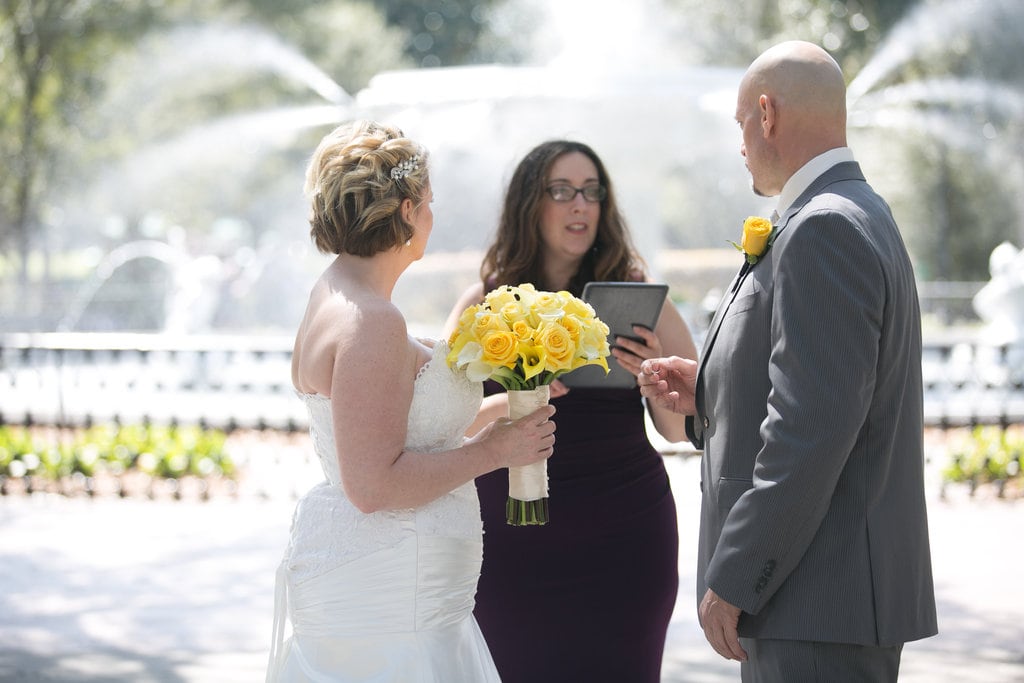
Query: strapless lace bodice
444, 404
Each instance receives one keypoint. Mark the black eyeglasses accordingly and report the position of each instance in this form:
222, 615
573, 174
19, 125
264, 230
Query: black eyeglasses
563, 192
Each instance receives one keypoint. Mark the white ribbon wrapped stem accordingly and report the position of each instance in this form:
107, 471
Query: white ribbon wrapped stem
529, 482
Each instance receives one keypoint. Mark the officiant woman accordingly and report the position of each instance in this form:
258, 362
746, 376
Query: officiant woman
587, 596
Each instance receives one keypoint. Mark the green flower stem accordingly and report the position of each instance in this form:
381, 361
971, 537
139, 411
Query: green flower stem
526, 512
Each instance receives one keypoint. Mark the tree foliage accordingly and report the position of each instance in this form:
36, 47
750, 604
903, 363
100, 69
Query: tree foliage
50, 51
90, 85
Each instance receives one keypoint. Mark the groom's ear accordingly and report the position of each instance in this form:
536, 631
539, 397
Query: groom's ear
767, 115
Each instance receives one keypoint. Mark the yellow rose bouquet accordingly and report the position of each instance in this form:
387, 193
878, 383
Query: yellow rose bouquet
524, 339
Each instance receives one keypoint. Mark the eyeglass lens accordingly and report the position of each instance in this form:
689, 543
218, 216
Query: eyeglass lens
566, 193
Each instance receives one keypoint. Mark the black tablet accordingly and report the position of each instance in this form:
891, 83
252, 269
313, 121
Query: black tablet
620, 305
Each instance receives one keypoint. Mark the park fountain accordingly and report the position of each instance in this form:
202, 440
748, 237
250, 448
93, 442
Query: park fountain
664, 129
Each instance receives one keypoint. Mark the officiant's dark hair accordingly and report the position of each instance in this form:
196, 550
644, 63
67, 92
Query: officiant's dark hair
515, 255
356, 181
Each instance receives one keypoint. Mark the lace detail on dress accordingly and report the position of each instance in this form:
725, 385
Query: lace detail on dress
328, 530
444, 404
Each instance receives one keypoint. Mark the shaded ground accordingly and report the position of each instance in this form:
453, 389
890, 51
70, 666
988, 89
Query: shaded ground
141, 590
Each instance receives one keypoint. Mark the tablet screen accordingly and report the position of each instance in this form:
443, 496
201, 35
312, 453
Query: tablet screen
620, 305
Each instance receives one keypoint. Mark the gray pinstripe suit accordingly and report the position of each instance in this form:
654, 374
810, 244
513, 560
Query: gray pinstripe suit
809, 411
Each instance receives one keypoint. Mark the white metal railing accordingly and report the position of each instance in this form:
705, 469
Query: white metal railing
232, 381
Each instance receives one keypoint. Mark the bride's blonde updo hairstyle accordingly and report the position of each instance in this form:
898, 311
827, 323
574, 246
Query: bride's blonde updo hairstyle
356, 181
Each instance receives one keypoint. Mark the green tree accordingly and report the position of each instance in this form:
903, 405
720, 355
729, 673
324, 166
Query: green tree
448, 32
936, 106
50, 51
734, 33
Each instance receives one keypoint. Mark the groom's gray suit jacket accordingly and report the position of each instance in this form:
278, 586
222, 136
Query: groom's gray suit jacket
809, 411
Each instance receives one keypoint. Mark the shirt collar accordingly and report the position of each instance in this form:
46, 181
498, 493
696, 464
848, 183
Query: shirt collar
802, 179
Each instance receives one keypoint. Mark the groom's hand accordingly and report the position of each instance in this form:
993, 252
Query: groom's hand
719, 620
670, 382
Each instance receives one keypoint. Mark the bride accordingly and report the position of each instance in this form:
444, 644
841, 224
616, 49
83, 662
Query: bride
381, 568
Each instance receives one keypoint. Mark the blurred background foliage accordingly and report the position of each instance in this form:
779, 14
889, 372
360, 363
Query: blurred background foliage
64, 111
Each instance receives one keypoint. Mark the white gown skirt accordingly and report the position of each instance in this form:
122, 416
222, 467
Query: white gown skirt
403, 612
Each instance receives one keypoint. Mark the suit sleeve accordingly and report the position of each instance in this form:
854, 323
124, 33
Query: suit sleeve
826, 320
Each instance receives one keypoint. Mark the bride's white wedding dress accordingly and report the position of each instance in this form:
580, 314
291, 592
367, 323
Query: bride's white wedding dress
386, 596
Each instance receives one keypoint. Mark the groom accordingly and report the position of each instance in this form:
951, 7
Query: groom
814, 562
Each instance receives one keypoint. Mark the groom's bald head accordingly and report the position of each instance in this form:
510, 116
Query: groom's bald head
800, 90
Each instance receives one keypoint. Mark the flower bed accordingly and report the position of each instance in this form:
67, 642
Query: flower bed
989, 456
151, 460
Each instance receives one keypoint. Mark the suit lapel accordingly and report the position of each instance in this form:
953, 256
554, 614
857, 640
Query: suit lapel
849, 170
716, 321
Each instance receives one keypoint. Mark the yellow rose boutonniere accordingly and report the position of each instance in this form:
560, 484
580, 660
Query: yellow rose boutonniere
758, 234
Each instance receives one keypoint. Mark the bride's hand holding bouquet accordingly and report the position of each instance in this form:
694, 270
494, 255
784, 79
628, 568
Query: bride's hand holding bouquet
524, 339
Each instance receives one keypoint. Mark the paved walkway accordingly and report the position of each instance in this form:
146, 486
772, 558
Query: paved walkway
174, 592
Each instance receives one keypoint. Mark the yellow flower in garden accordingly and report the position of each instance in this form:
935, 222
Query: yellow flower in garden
500, 347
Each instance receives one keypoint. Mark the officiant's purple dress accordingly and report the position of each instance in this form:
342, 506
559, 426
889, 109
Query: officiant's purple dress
588, 596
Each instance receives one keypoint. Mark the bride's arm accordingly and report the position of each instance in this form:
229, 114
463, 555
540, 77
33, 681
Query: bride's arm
371, 392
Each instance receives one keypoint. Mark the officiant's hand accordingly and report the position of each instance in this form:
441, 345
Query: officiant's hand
557, 389
630, 353
670, 382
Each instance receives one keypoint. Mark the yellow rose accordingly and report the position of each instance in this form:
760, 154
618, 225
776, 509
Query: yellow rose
756, 231
579, 308
594, 340
558, 346
500, 348
549, 305
468, 315
497, 298
523, 330
573, 325
485, 321
513, 311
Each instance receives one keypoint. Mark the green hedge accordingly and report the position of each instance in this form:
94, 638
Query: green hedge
988, 454
159, 451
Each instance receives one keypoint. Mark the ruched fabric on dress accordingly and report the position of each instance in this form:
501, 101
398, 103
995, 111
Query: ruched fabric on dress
589, 595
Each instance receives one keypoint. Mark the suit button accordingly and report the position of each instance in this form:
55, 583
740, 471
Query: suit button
707, 422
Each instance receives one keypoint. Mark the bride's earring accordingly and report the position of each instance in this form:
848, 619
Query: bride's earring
408, 242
